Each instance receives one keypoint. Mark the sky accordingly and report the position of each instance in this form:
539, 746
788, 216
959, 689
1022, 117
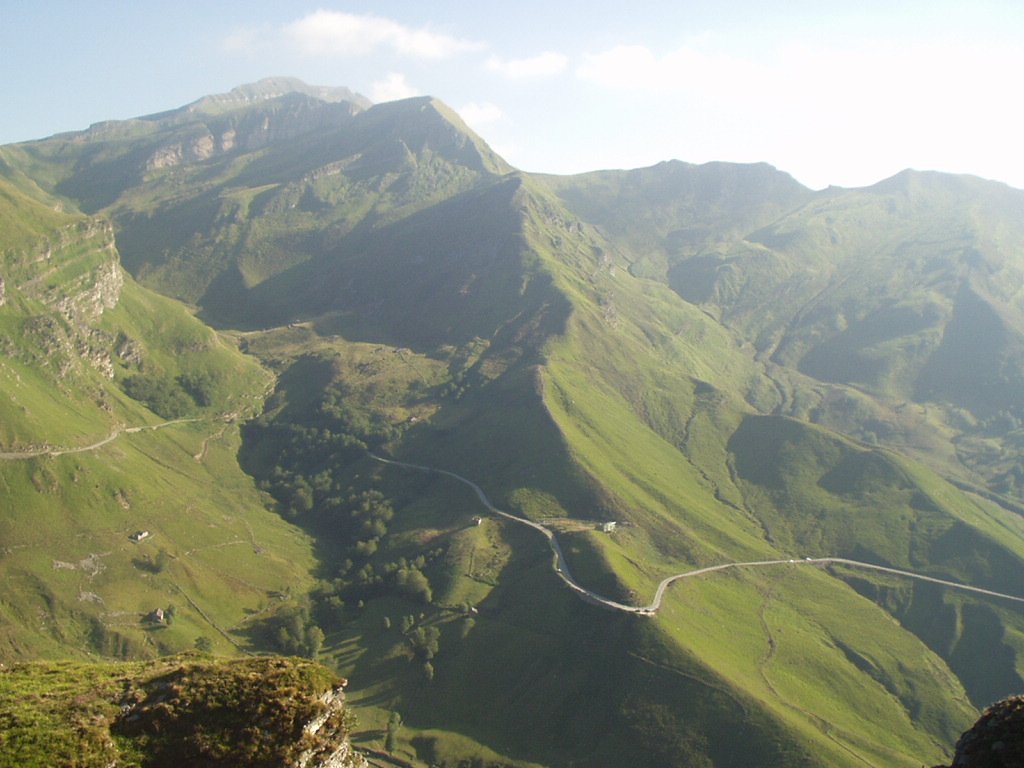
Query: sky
834, 93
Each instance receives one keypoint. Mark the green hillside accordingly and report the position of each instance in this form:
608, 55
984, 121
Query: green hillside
729, 367
120, 413
887, 313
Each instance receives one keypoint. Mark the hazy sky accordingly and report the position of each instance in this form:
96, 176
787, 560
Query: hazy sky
832, 92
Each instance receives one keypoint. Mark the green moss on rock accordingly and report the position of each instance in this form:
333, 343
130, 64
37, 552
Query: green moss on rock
184, 710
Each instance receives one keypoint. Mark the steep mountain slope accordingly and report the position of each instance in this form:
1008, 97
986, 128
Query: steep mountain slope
211, 203
828, 495
673, 211
890, 312
118, 414
648, 347
655, 445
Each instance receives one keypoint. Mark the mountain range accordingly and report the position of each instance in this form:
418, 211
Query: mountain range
217, 319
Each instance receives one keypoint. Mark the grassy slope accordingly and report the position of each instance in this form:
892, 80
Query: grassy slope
77, 584
898, 297
671, 211
602, 417
772, 657
921, 222
45, 249
818, 493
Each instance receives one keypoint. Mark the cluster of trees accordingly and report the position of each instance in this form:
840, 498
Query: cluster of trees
456, 387
394, 725
293, 631
297, 629
200, 386
371, 427
368, 516
402, 577
356, 584
412, 583
425, 642
469, 762
307, 478
300, 450
302, 470
169, 397
151, 564
162, 395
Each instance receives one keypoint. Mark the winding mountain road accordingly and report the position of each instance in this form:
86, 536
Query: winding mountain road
558, 562
562, 569
51, 451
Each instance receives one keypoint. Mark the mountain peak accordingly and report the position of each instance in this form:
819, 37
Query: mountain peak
274, 87
911, 181
428, 119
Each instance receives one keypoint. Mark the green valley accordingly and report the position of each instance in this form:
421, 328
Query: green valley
217, 318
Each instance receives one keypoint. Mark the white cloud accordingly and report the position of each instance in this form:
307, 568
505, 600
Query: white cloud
477, 114
635, 67
624, 66
333, 33
542, 65
392, 88
883, 79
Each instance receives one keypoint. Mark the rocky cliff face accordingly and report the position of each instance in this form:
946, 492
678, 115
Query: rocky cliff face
74, 271
331, 747
75, 275
209, 135
85, 299
199, 148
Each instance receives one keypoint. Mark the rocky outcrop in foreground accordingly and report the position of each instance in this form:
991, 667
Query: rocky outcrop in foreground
257, 712
996, 740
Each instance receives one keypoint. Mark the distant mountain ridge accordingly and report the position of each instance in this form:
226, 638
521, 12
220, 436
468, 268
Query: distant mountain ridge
728, 365
275, 87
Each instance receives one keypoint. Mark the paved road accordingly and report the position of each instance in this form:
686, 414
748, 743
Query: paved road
660, 592
562, 569
53, 451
